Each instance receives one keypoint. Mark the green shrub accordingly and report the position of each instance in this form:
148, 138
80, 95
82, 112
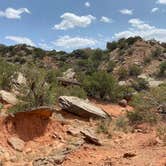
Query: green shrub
122, 123
146, 104
125, 92
122, 73
135, 117
71, 91
134, 70
140, 84
104, 126
8, 73
156, 53
1, 106
101, 85
111, 66
162, 71
36, 92
111, 45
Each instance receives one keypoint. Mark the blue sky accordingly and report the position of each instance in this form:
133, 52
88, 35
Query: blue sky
70, 24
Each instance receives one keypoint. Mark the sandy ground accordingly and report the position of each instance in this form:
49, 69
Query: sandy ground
42, 135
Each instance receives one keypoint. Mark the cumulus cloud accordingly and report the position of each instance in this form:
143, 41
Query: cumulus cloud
71, 20
11, 13
20, 40
74, 42
146, 31
87, 4
126, 12
105, 19
154, 9
45, 46
161, 2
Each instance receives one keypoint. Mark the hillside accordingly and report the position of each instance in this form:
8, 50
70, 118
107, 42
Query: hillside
123, 53
88, 107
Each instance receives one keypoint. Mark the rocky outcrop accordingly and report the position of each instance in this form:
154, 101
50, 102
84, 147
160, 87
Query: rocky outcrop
81, 107
68, 78
49, 161
8, 97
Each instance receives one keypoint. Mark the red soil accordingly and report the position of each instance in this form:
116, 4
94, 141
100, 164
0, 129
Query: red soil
112, 109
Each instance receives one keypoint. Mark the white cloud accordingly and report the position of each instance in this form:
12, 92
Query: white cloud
161, 2
126, 11
20, 40
74, 42
105, 19
45, 46
11, 13
154, 9
87, 4
70, 20
146, 31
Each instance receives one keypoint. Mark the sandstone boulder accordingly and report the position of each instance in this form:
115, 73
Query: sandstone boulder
90, 137
81, 107
8, 97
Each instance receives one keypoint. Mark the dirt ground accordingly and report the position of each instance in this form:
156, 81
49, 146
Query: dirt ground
43, 135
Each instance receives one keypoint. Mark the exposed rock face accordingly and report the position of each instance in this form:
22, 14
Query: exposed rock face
152, 82
68, 78
69, 74
8, 97
16, 143
81, 107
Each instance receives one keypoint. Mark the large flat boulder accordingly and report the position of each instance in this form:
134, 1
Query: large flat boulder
81, 107
8, 97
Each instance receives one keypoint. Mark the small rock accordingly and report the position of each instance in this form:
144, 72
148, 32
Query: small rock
73, 131
90, 137
129, 155
16, 143
123, 103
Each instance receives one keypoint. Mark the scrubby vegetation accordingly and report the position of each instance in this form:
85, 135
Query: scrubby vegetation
98, 72
8, 73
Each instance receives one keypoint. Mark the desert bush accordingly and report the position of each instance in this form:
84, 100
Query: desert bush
71, 91
162, 71
132, 40
146, 104
104, 126
101, 85
122, 73
1, 106
8, 73
134, 70
111, 45
140, 84
156, 53
111, 66
36, 92
125, 92
122, 124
